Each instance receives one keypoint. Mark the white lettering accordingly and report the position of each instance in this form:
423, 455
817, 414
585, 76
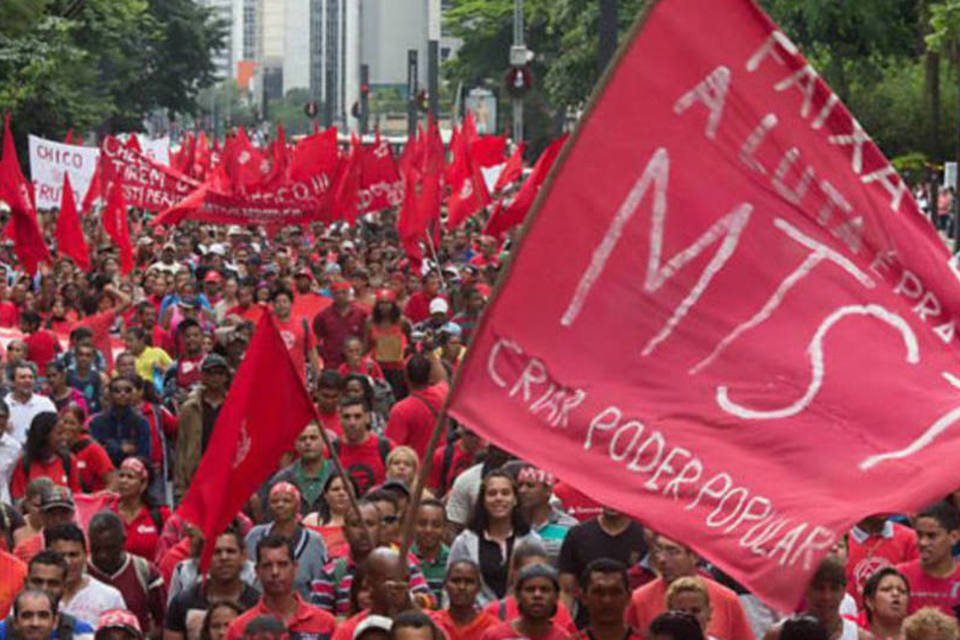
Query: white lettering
712, 92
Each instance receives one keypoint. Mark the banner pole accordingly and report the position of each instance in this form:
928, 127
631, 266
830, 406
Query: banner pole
411, 516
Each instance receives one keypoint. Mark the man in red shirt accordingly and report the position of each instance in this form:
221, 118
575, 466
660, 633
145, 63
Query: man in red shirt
453, 459
413, 419
298, 339
338, 322
42, 345
136, 578
538, 592
276, 569
935, 577
673, 561
876, 542
417, 308
363, 454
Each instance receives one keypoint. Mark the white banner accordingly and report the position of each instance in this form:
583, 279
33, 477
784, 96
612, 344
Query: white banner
157, 150
49, 160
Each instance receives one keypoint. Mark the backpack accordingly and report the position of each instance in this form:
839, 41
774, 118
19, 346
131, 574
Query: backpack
383, 447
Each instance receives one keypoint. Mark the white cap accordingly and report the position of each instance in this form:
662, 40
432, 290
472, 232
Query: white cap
439, 305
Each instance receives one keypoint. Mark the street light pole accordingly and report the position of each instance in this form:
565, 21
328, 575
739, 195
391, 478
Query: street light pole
433, 57
518, 43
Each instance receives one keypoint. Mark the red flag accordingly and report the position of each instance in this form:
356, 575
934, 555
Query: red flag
345, 196
512, 170
116, 225
771, 320
16, 192
69, 138
133, 143
69, 236
513, 214
250, 435
315, 159
380, 184
95, 190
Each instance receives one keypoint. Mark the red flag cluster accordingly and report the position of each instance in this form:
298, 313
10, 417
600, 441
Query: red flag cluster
22, 228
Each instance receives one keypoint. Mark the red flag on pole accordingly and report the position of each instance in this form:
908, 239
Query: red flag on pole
507, 216
69, 235
250, 435
22, 228
512, 170
770, 319
116, 225
346, 194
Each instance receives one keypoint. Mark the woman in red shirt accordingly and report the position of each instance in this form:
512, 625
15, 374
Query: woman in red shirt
142, 520
387, 337
44, 456
95, 470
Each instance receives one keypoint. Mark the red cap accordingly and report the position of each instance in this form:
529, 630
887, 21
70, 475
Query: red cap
386, 295
340, 285
213, 276
305, 272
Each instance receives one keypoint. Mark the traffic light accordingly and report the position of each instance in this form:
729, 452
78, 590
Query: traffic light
423, 100
518, 80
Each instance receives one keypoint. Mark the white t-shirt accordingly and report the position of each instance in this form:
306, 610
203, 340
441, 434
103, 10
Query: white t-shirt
463, 495
22, 413
10, 451
91, 600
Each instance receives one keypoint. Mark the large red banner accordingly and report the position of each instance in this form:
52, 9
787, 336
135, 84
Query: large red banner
727, 316
147, 184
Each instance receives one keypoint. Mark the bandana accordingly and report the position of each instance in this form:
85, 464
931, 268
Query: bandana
137, 466
536, 475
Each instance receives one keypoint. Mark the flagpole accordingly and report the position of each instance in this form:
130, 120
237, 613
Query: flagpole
436, 260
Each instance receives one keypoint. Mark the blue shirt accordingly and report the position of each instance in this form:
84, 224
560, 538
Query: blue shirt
81, 629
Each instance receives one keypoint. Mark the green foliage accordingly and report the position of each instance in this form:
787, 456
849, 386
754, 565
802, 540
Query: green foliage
102, 64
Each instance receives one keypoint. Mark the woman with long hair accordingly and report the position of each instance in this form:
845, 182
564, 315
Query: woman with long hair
95, 469
886, 600
494, 530
45, 455
328, 522
388, 334
218, 619
142, 519
58, 390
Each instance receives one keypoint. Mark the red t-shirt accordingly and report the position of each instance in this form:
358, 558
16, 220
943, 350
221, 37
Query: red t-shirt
460, 461
93, 464
143, 534
366, 367
472, 631
188, 371
9, 314
14, 572
364, 462
417, 308
52, 468
575, 503
506, 631
895, 545
173, 556
299, 340
163, 339
331, 422
506, 610
168, 423
42, 347
26, 549
307, 621
928, 591
413, 419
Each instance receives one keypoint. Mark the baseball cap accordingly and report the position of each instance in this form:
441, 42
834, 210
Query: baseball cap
214, 361
439, 305
118, 619
212, 276
189, 302
371, 623
57, 497
217, 249
386, 295
537, 570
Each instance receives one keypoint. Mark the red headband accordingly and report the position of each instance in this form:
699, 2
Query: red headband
135, 465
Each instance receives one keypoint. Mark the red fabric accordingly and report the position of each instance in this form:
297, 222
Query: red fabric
52, 468
26, 549
345, 196
561, 619
146, 603
143, 534
18, 194
206, 204
14, 572
332, 328
412, 422
874, 553
333, 537
366, 367
346, 628
42, 347
89, 504
228, 474
514, 213
315, 159
174, 556
9, 314
928, 591
472, 631
307, 621
115, 225
380, 184
298, 339
575, 503
727, 619
363, 463
505, 631
417, 308
729, 347
69, 236
331, 422
147, 184
512, 170
460, 461
93, 465
100, 324
168, 423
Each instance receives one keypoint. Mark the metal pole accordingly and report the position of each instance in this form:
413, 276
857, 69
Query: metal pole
518, 41
364, 98
433, 57
955, 226
608, 33
412, 89
328, 100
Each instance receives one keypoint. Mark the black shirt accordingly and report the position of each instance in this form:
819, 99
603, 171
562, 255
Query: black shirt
587, 542
493, 566
210, 414
187, 610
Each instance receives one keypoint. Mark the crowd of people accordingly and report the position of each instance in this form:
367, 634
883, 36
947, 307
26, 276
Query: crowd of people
99, 444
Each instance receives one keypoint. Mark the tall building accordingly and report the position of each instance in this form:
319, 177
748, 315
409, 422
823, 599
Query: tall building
240, 18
